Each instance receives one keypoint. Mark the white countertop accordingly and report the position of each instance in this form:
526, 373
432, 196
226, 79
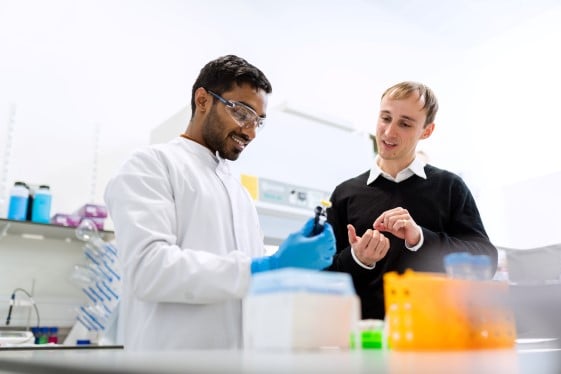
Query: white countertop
526, 358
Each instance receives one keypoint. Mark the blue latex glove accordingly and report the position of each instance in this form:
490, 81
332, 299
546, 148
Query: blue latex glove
300, 250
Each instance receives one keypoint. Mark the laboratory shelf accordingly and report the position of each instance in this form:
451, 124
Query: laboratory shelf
32, 230
50, 347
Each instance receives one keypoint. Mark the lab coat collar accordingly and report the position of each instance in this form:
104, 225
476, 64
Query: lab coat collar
223, 165
212, 159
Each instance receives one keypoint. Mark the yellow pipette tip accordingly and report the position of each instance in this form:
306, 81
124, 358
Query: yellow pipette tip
325, 203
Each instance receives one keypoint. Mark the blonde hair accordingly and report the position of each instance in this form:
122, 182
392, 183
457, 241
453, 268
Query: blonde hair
404, 90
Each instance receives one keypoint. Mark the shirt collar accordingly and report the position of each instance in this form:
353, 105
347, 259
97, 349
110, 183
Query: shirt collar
416, 167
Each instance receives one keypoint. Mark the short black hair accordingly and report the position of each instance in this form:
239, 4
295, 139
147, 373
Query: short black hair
219, 76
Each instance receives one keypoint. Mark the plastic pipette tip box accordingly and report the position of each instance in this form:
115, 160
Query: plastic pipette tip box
300, 280
92, 211
299, 309
429, 311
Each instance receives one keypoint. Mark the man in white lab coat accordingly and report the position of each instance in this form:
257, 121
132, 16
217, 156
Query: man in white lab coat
187, 231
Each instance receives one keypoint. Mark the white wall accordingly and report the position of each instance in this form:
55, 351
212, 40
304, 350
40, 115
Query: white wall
533, 213
91, 79
506, 92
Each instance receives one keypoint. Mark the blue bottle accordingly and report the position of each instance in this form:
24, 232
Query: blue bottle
19, 195
41, 211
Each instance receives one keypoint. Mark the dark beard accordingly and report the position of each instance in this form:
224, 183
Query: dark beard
213, 136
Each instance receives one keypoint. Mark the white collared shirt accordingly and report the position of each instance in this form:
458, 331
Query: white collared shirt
416, 167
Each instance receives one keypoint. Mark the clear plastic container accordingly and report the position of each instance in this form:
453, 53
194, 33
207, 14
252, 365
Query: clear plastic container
458, 265
293, 308
463, 265
481, 267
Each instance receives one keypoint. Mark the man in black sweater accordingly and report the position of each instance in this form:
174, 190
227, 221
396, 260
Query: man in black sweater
402, 214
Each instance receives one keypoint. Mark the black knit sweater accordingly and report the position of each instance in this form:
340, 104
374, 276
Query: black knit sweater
441, 205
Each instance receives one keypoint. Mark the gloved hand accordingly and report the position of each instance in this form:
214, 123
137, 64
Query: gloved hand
300, 250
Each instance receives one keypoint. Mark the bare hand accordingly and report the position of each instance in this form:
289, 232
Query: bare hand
369, 248
398, 222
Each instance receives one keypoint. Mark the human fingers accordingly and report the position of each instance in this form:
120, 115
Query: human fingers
351, 232
378, 222
360, 246
402, 221
399, 223
385, 220
372, 248
308, 226
329, 239
392, 216
378, 245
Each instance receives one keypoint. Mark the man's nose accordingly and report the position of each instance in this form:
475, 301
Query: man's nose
250, 132
391, 128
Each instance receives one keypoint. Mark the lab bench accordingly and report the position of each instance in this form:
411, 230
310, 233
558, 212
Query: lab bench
543, 358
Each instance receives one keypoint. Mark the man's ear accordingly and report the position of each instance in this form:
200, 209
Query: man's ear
427, 131
202, 102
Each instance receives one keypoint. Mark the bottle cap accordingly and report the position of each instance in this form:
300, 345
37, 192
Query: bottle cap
456, 258
481, 260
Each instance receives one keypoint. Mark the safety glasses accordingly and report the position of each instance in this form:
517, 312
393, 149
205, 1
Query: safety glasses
244, 115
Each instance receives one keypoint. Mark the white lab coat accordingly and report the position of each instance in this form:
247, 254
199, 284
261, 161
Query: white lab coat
186, 230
